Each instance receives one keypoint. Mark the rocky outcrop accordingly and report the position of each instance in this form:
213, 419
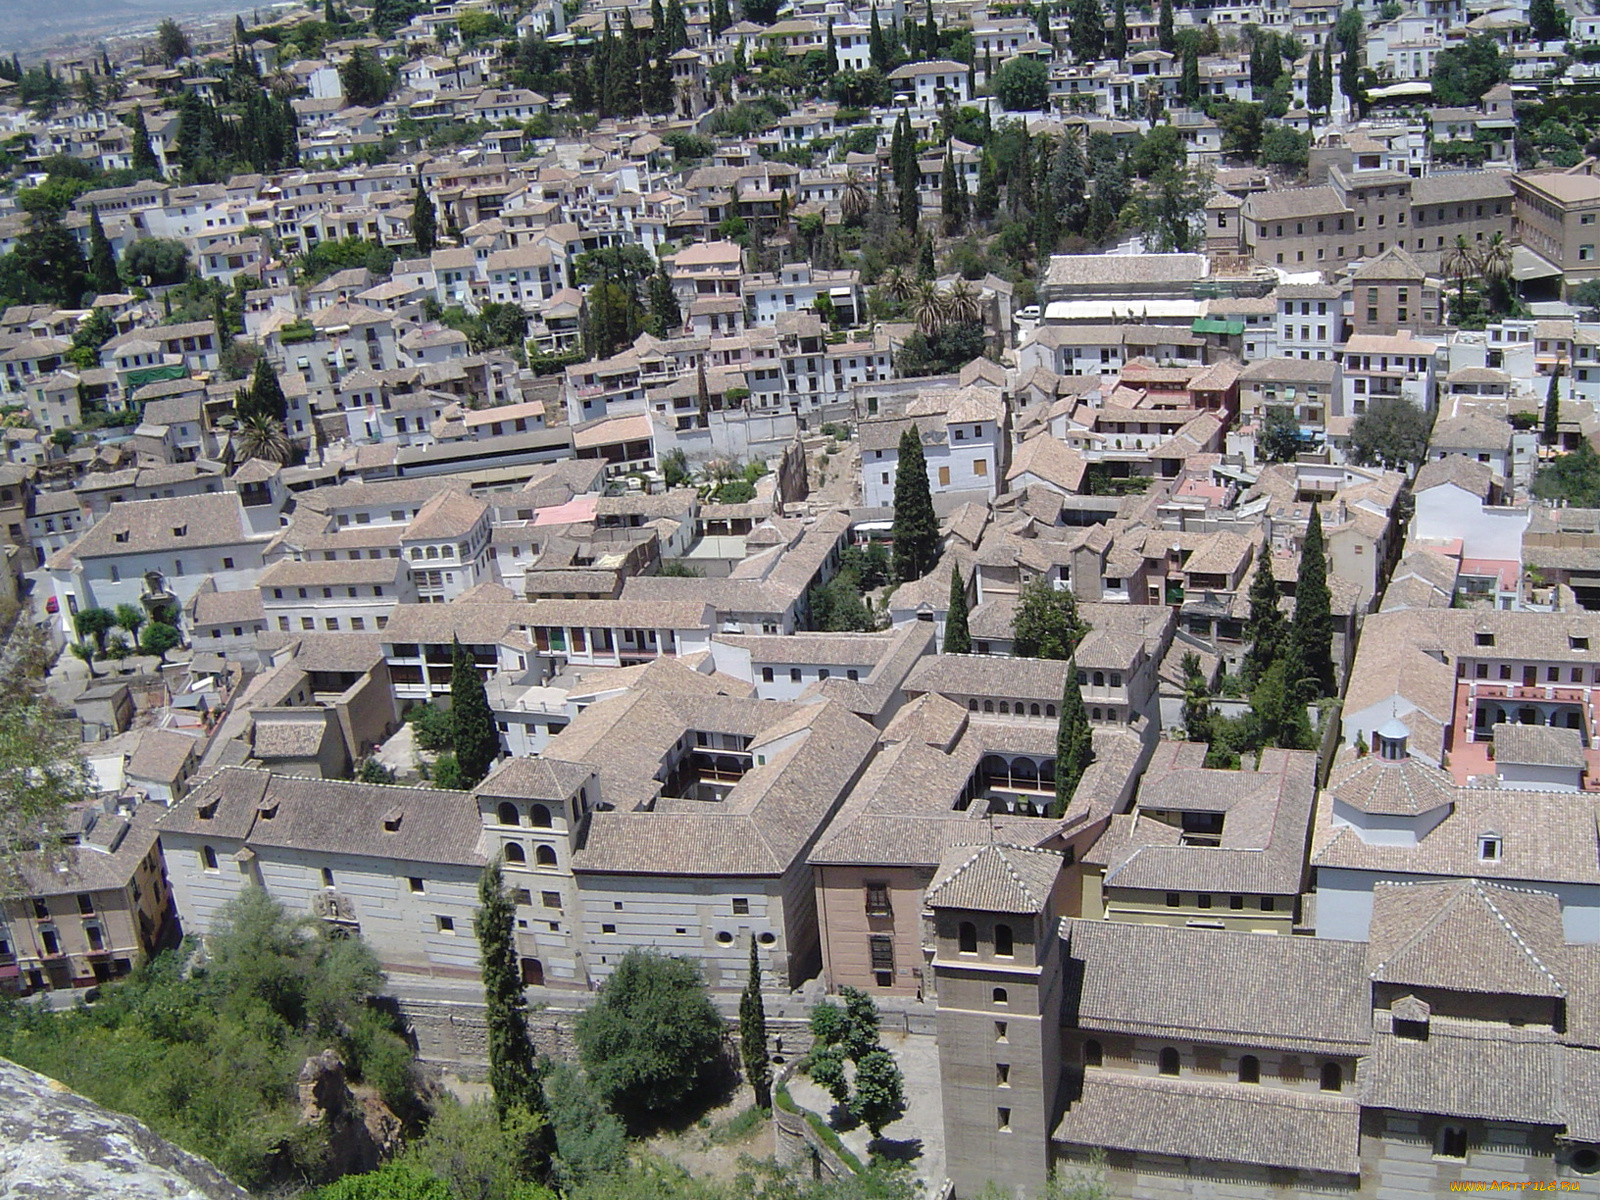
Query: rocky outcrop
362, 1132
59, 1145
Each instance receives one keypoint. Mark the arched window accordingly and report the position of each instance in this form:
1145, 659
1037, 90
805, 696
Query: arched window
1169, 1061
540, 815
507, 814
1094, 713
1033, 710
432, 552
1332, 1077
1093, 1055
1050, 710
1005, 709
545, 856
1099, 679
1003, 947
988, 706
967, 937
972, 705
515, 853
1000, 996
1249, 1069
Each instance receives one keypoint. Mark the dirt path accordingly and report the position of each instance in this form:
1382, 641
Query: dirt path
715, 1147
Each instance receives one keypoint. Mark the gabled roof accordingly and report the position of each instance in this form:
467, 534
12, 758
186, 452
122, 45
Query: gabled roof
1467, 936
995, 878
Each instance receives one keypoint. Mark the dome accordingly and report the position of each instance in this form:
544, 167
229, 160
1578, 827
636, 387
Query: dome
1395, 730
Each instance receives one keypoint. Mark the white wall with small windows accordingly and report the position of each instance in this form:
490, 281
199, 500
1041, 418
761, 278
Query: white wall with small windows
416, 916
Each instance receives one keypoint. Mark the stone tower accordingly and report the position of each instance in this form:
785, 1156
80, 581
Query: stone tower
997, 966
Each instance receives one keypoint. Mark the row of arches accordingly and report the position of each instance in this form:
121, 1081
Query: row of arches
1004, 940
543, 856
507, 813
1170, 1063
1012, 708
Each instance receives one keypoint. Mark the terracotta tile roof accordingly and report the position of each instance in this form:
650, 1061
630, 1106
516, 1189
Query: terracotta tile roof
995, 878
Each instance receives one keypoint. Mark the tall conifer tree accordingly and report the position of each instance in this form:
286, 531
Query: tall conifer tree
916, 529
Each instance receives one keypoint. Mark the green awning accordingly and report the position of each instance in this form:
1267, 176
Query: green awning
147, 375
1213, 325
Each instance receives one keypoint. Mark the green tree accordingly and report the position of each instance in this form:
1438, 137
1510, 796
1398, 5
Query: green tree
42, 773
1279, 440
392, 1181
956, 638
265, 395
591, 1143
1119, 29
1552, 409
172, 44
372, 770
861, 1024
828, 1073
513, 1070
1022, 85
1046, 622
1265, 629
430, 726
159, 637
1196, 700
1172, 207
1463, 73
1074, 742
879, 1097
474, 735
1312, 629
46, 266
1189, 80
1277, 713
666, 316
1088, 30
1282, 146
424, 221
478, 1154
142, 153
653, 1035
916, 529
753, 1033
92, 624
1166, 39
103, 275
130, 618
155, 262
1573, 477
1392, 433
365, 80
1548, 20
262, 436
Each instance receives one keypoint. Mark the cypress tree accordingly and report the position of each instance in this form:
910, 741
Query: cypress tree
1313, 81
987, 202
103, 275
143, 154
833, 50
1265, 628
753, 1033
1165, 37
1312, 631
956, 638
513, 1068
1350, 75
424, 221
1088, 30
930, 35
1189, 82
475, 737
1119, 30
1552, 409
877, 48
906, 172
677, 27
265, 394
950, 194
1074, 741
1325, 78
916, 529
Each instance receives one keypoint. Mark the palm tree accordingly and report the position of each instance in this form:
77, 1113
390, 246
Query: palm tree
261, 435
1495, 264
853, 198
899, 283
962, 303
1460, 262
930, 308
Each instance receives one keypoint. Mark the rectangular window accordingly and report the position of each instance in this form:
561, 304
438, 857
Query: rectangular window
981, 468
524, 897
741, 906
881, 949
85, 904
445, 924
550, 899
1003, 1118
1172, 899
1002, 1075
1268, 904
1000, 1031
878, 900
327, 877
944, 476
417, 885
